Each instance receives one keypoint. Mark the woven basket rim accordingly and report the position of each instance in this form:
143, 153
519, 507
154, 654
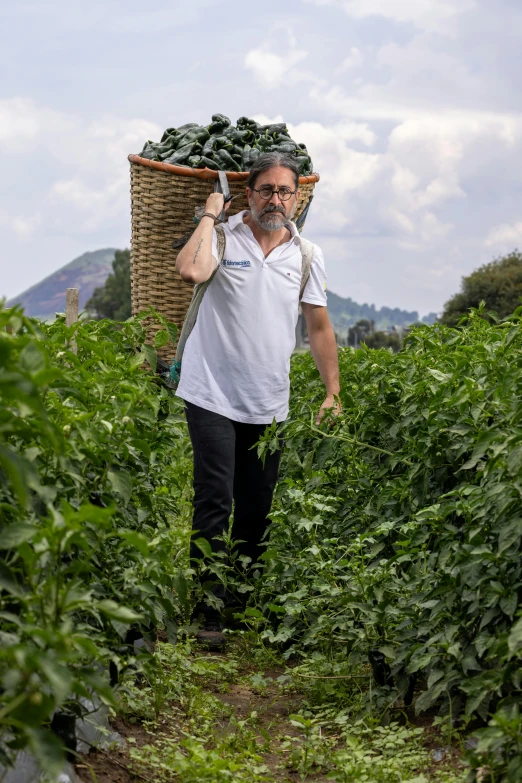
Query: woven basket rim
186, 171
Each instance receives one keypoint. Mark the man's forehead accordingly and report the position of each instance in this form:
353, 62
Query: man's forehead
276, 174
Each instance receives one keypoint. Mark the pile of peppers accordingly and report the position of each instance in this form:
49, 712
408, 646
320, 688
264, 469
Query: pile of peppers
223, 147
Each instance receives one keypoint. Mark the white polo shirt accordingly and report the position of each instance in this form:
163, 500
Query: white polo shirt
236, 361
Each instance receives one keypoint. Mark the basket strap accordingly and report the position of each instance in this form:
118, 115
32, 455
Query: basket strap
192, 312
307, 254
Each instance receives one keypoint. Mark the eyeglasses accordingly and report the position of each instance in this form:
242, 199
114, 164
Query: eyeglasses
267, 191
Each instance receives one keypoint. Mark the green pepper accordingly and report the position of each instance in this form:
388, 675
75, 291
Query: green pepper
304, 166
250, 155
183, 128
237, 136
264, 143
170, 133
207, 163
278, 127
283, 138
148, 151
194, 161
244, 123
226, 161
223, 142
183, 154
195, 134
287, 149
221, 118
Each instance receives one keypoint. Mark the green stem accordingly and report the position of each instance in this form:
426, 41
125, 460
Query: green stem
13, 705
356, 442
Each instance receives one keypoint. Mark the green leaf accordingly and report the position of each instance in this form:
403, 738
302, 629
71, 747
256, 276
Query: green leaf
173, 332
161, 338
515, 638
136, 540
440, 376
59, 678
47, 750
150, 355
18, 471
482, 445
203, 545
121, 482
16, 534
514, 461
137, 360
117, 612
510, 533
32, 358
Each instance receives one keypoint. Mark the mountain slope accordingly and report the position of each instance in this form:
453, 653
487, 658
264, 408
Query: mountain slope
47, 297
345, 313
90, 270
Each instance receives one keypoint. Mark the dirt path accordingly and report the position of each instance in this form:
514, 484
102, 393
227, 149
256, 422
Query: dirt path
228, 718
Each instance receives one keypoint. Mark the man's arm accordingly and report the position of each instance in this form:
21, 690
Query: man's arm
194, 262
324, 351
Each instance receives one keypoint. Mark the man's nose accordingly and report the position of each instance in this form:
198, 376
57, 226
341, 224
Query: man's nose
275, 195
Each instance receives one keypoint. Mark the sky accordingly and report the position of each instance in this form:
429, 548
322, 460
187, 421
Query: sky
411, 111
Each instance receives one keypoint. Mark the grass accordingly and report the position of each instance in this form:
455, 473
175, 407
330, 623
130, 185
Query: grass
247, 715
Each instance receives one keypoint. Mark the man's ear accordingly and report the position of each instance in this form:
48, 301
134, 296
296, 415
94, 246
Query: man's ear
248, 194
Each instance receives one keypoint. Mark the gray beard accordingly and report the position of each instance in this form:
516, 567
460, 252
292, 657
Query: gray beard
271, 221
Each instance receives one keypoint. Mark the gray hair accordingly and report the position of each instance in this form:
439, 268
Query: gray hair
270, 160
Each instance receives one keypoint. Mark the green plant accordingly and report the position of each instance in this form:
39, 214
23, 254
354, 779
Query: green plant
397, 528
93, 466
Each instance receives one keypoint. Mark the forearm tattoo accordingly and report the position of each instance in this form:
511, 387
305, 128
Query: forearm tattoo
197, 251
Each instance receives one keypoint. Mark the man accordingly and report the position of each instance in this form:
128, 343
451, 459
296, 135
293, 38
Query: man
235, 374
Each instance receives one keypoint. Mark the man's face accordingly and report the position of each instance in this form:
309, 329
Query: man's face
272, 214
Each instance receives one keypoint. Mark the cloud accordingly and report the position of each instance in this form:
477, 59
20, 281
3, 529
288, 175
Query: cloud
23, 121
424, 14
22, 226
271, 69
354, 60
90, 184
505, 237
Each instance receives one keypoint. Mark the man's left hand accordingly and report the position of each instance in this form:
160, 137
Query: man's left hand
332, 405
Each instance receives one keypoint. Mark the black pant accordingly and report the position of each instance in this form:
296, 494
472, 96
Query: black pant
226, 470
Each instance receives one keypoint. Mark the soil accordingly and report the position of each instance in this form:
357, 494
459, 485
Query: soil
273, 708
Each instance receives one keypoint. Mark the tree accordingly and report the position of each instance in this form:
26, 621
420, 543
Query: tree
384, 340
113, 300
358, 333
498, 284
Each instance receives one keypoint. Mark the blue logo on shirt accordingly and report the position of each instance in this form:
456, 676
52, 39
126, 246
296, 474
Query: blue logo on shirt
240, 264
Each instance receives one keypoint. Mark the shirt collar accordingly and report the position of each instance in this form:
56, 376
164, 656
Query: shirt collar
237, 220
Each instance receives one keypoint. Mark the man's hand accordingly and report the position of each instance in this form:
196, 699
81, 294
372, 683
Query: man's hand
332, 405
215, 204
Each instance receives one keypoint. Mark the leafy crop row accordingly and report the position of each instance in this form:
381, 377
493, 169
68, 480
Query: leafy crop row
397, 532
93, 471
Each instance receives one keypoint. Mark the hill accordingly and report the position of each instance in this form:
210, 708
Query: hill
91, 270
345, 313
47, 297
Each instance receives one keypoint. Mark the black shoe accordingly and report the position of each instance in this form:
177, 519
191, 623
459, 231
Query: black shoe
211, 635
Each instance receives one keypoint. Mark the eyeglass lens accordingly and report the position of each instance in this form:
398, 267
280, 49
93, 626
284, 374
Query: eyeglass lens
267, 192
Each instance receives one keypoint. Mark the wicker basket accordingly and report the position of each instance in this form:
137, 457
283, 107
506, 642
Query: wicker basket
164, 198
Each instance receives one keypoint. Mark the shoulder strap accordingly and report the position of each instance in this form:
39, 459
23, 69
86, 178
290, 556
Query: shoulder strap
307, 253
192, 312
